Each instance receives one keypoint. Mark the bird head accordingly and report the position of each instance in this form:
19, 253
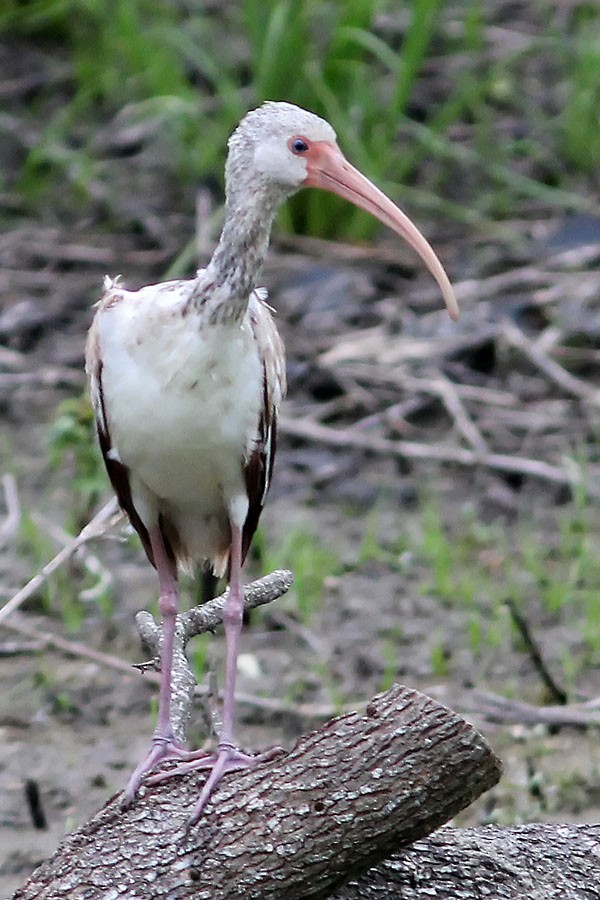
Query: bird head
283, 148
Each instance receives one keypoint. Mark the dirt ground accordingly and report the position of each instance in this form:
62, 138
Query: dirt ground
366, 340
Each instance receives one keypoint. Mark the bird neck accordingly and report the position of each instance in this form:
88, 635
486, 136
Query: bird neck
239, 255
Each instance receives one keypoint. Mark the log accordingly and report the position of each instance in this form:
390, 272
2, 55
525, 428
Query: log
342, 800
528, 862
348, 813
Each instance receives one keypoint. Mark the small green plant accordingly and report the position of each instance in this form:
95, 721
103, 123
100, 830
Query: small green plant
59, 594
60, 701
580, 123
308, 558
440, 659
440, 554
63, 703
475, 632
554, 569
72, 445
372, 548
198, 655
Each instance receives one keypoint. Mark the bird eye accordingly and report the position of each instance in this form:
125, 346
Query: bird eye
298, 145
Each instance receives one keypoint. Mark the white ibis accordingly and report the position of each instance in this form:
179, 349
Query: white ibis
186, 379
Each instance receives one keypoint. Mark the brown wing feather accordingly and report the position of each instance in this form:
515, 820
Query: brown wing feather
259, 466
117, 471
258, 472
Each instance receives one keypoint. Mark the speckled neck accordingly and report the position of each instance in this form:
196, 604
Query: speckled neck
224, 287
243, 244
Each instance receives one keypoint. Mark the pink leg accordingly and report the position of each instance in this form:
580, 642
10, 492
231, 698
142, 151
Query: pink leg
233, 614
168, 603
163, 745
228, 757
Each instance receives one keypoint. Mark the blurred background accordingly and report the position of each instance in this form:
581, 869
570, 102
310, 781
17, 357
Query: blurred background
436, 484
475, 112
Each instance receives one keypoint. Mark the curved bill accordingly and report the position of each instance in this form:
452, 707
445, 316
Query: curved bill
328, 168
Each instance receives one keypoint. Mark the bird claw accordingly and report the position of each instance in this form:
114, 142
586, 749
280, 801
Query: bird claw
163, 749
227, 759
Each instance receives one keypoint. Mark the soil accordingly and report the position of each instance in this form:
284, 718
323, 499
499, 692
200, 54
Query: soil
72, 729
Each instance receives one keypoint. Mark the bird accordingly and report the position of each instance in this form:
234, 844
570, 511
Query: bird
186, 378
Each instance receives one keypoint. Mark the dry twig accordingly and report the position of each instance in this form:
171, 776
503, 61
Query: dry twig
535, 352
347, 437
102, 521
11, 523
558, 694
503, 709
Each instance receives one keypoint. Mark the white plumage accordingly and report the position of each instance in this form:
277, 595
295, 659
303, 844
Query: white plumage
205, 388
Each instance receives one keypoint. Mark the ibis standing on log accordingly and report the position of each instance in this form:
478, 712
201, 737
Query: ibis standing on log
186, 379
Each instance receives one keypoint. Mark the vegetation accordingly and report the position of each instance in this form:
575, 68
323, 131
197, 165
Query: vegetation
481, 569
188, 71
72, 446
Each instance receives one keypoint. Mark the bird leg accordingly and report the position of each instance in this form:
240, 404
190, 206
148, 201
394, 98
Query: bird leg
227, 758
233, 614
164, 745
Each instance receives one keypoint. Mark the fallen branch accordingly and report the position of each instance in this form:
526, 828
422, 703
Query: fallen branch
85, 559
11, 523
317, 822
344, 798
195, 621
499, 709
503, 709
97, 526
528, 862
555, 691
327, 819
310, 430
534, 352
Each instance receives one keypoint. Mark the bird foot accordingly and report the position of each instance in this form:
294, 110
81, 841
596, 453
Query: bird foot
227, 759
162, 749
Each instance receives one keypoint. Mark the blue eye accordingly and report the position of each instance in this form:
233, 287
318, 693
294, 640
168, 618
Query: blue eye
298, 145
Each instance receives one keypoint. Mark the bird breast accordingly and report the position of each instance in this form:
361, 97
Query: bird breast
182, 397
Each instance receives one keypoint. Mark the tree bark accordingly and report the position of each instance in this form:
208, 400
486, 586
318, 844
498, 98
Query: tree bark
299, 826
328, 819
529, 862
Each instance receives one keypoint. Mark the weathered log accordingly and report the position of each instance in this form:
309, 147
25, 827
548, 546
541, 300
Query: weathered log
343, 799
528, 862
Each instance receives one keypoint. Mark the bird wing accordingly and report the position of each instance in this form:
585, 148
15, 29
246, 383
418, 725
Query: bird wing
259, 465
117, 471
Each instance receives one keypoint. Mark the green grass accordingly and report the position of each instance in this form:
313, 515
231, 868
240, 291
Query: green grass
526, 114
580, 132
551, 573
471, 565
59, 595
311, 561
72, 448
189, 73
72, 592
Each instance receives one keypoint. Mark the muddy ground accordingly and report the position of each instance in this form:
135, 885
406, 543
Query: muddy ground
366, 340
